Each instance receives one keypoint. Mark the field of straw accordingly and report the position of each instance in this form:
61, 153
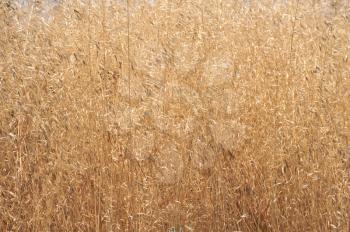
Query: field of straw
174, 115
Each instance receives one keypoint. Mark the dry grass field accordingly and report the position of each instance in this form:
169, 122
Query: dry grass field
175, 115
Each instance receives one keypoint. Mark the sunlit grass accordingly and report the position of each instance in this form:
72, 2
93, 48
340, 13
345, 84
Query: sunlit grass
178, 115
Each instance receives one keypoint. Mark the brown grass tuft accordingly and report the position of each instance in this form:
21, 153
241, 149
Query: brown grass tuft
195, 115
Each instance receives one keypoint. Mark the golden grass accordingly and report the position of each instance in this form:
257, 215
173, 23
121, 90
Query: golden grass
195, 115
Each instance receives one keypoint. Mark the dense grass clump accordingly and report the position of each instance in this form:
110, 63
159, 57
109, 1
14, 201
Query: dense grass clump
194, 115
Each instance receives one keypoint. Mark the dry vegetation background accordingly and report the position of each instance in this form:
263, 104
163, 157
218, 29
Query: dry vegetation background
203, 115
